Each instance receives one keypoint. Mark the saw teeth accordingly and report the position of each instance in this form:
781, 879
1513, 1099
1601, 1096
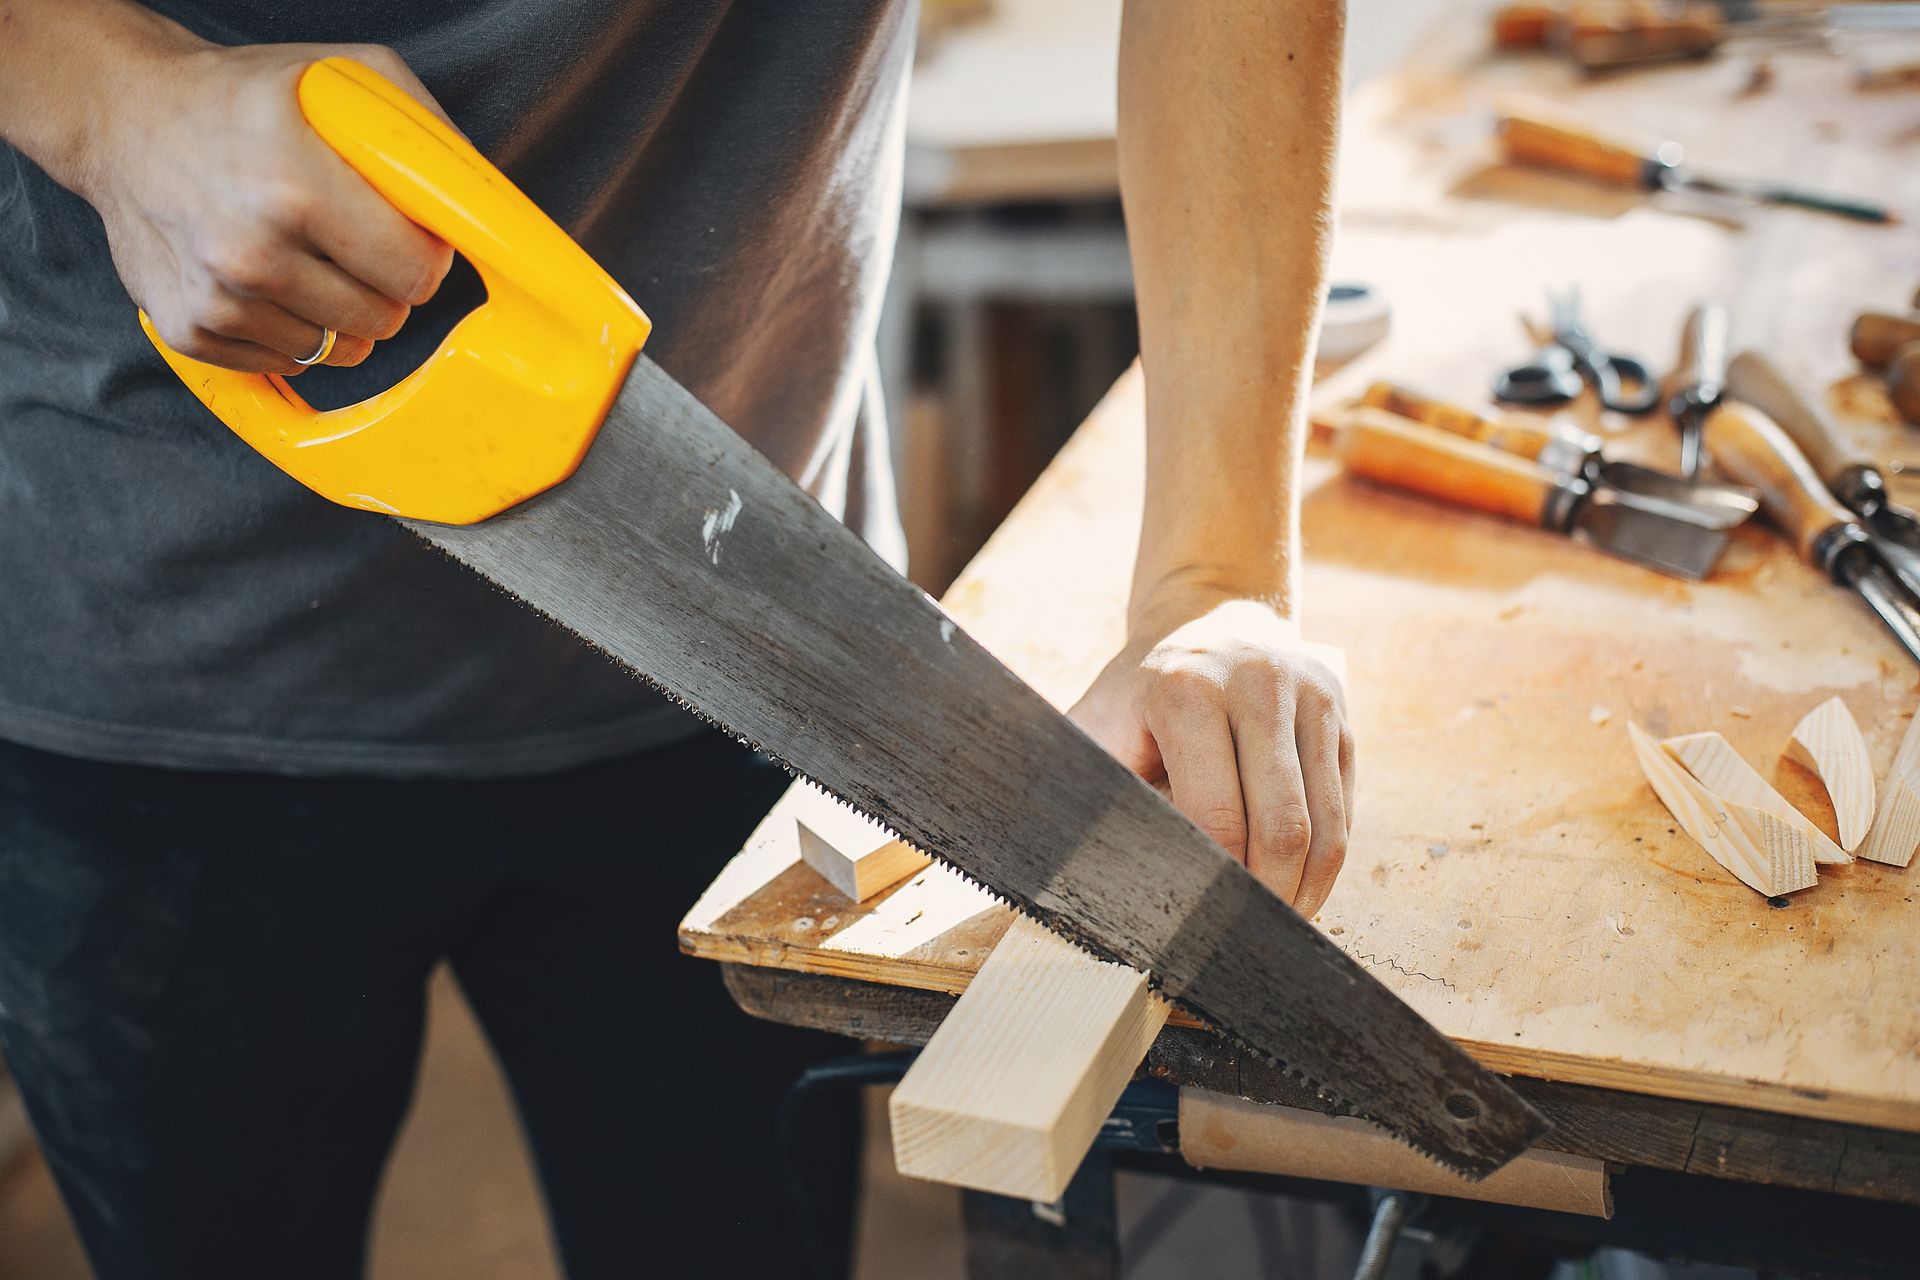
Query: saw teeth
1340, 1104
1058, 924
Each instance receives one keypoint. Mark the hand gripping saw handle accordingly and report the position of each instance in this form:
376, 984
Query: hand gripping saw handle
509, 403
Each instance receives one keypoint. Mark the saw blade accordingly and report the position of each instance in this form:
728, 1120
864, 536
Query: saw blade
691, 559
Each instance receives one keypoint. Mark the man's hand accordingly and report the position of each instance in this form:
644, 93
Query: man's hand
239, 231
242, 233
1221, 705
1229, 113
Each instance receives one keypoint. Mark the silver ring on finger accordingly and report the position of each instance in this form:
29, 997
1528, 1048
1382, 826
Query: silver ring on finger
327, 338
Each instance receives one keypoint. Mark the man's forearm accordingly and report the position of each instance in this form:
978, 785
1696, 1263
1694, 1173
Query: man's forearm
1229, 117
59, 61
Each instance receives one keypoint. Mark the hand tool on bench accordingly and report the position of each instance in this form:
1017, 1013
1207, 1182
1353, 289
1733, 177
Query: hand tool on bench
1877, 335
1411, 455
1608, 34
1570, 358
1563, 447
1605, 35
1847, 473
1752, 448
537, 447
1903, 383
1538, 134
1890, 343
1699, 380
1612, 34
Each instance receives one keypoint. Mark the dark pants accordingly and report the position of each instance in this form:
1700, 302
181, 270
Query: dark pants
212, 990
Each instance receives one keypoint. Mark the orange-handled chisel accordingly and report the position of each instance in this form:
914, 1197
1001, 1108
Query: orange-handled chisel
1539, 134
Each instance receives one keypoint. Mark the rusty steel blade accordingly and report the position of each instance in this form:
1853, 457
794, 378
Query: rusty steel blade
686, 555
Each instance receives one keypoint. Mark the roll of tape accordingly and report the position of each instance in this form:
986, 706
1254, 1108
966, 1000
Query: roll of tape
1356, 317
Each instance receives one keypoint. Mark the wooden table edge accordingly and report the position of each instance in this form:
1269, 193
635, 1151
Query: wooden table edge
1685, 1086
1622, 1127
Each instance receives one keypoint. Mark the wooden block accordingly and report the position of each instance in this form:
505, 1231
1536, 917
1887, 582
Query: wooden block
1896, 825
1011, 1091
1906, 759
1222, 1132
1763, 852
1896, 828
1827, 742
853, 855
1723, 771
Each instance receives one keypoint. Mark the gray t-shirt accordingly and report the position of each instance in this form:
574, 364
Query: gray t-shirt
168, 597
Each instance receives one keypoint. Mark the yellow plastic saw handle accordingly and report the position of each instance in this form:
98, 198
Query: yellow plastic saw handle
510, 402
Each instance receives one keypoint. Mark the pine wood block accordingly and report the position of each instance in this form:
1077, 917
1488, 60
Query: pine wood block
1828, 743
1896, 828
1896, 825
1763, 852
1011, 1091
1723, 771
854, 855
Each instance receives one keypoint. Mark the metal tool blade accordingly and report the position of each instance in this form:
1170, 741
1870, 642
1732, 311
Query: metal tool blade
1711, 506
1892, 521
1780, 193
1647, 535
1893, 529
1879, 589
1897, 556
683, 553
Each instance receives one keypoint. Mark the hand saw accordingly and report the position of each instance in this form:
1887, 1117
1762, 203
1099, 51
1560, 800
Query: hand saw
682, 552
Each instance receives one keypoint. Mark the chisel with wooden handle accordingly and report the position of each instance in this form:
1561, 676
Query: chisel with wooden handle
1903, 383
1877, 335
1609, 34
1891, 343
1409, 455
1751, 447
1602, 37
1560, 446
1538, 134
1848, 473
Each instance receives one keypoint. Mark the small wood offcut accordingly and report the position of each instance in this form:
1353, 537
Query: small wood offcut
1828, 743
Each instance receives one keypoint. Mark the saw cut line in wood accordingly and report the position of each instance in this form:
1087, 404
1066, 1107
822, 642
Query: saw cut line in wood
1724, 772
1013, 1088
1764, 853
1896, 823
1828, 743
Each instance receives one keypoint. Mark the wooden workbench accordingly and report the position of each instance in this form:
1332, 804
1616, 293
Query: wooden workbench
1511, 876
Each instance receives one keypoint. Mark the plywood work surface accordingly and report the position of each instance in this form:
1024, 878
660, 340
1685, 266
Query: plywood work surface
1512, 876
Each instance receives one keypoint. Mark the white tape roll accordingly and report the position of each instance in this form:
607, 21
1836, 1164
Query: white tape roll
1357, 316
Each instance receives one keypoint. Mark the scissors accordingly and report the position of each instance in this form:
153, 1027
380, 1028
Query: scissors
1558, 370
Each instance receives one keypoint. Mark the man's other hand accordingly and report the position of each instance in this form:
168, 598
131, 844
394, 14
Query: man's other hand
1220, 704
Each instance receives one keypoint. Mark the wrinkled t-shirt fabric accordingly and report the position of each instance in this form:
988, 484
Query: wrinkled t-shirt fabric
167, 597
